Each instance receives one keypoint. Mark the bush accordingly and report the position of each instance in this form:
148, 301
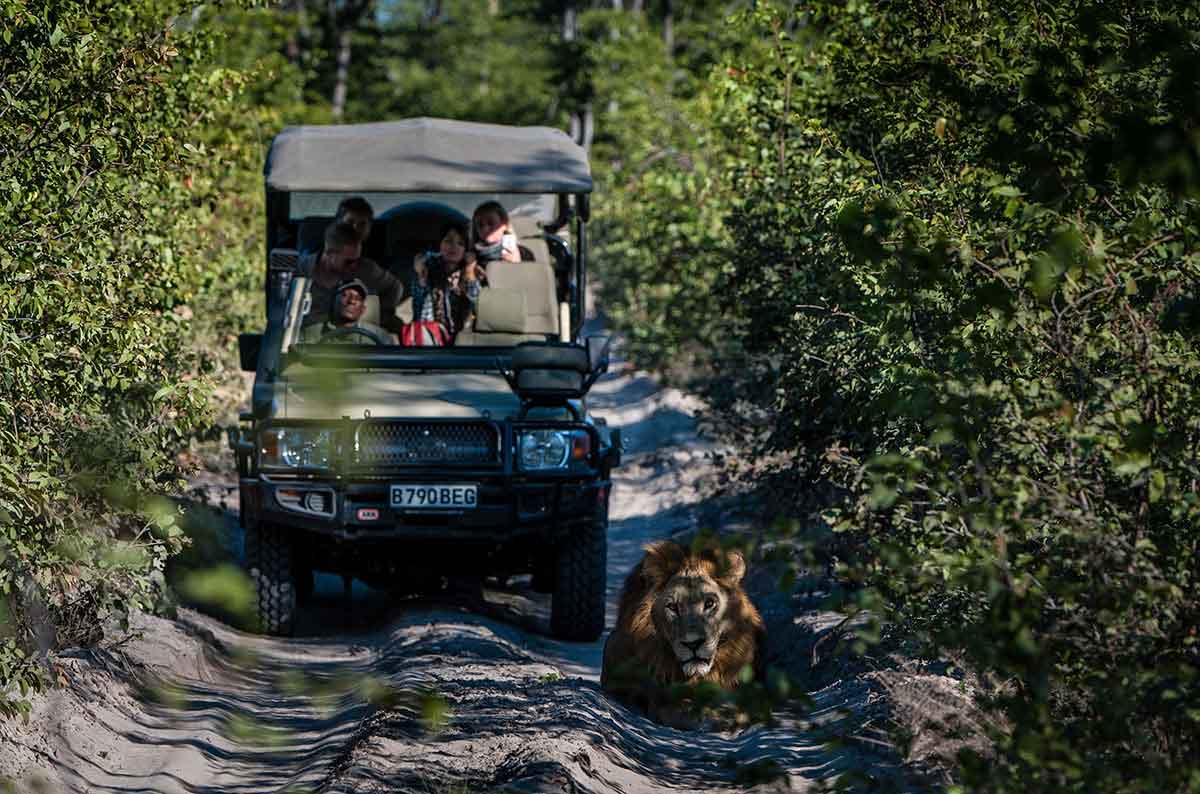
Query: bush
979, 232
661, 244
966, 259
112, 228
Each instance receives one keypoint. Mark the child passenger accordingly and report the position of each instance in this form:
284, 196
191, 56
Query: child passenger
446, 282
493, 237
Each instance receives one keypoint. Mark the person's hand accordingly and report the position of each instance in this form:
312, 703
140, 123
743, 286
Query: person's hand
420, 269
470, 267
510, 254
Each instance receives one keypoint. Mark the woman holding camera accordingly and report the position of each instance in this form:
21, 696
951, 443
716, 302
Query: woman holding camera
446, 282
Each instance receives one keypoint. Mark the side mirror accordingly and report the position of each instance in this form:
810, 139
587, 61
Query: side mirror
597, 350
249, 346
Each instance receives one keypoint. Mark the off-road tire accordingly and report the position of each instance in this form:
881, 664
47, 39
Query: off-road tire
542, 580
580, 576
269, 559
305, 581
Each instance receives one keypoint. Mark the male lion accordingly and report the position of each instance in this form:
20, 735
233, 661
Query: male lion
684, 619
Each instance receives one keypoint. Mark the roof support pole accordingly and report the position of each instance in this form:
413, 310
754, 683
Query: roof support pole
580, 310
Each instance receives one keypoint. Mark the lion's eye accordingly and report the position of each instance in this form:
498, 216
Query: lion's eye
710, 604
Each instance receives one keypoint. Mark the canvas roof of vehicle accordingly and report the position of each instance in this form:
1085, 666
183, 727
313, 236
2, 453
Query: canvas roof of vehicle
427, 155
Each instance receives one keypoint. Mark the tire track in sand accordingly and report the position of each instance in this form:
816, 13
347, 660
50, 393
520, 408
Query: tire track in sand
527, 711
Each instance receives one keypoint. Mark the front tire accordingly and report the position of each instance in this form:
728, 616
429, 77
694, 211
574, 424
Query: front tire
269, 558
542, 580
580, 576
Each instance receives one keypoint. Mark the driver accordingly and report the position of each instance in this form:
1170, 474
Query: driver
346, 311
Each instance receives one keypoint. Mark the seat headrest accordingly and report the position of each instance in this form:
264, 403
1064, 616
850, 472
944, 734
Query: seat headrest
525, 225
500, 311
371, 312
529, 234
536, 280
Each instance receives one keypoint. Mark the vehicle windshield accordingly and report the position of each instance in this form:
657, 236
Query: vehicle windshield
502, 302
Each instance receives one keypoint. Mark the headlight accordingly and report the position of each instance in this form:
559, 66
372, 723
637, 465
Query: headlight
296, 446
540, 450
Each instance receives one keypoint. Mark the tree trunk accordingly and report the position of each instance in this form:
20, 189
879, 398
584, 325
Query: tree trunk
294, 49
581, 120
587, 123
614, 33
669, 27
343, 73
344, 18
570, 19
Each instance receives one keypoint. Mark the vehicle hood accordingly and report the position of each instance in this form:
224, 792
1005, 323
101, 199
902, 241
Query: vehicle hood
333, 394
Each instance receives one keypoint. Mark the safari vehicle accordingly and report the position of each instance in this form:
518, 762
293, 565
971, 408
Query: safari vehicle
395, 464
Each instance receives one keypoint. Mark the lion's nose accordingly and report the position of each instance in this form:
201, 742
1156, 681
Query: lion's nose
693, 646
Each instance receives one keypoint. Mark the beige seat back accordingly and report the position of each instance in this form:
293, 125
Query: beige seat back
371, 312
500, 319
529, 234
536, 281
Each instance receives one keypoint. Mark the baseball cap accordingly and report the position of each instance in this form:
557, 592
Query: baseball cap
351, 283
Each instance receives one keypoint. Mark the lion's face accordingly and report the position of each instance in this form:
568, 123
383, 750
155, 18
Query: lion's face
684, 617
690, 614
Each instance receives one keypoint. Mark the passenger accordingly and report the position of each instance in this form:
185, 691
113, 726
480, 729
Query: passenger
446, 284
356, 211
340, 259
346, 310
493, 236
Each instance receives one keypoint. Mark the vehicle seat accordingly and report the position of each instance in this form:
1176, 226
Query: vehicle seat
410, 229
371, 310
536, 281
500, 321
406, 237
529, 234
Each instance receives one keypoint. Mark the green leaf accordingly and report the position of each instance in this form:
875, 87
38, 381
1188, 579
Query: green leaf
882, 496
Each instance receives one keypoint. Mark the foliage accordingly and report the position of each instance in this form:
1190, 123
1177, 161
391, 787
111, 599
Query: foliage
967, 240
115, 153
954, 247
950, 247
466, 64
661, 244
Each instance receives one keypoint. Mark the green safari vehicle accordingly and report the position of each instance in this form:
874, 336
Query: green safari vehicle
396, 464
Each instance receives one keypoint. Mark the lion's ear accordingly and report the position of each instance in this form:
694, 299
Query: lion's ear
735, 566
729, 564
662, 561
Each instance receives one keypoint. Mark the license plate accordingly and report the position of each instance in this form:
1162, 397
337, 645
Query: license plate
435, 497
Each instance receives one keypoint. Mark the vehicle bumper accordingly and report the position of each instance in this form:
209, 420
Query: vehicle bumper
507, 510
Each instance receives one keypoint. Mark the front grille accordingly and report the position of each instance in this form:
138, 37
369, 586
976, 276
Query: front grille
426, 443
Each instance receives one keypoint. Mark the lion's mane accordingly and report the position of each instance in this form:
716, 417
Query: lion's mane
636, 645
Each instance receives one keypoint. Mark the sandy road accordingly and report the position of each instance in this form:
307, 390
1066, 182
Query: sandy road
527, 715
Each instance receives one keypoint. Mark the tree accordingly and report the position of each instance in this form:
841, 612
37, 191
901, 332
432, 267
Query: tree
343, 17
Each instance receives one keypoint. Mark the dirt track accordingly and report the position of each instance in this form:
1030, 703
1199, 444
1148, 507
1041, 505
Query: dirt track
527, 714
